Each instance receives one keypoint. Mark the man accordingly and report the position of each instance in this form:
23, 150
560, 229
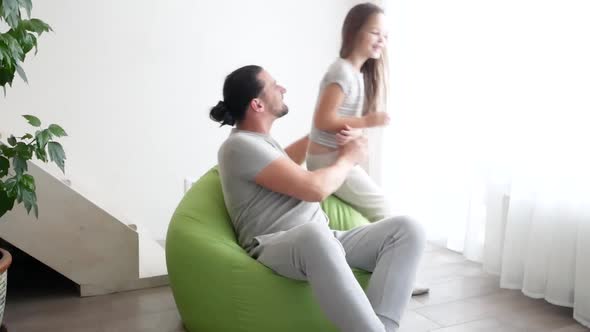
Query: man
274, 206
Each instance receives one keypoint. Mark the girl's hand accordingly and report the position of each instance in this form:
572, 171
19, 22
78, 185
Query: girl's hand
348, 134
377, 119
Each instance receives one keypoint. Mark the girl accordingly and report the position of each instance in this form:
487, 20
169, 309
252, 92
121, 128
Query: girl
352, 95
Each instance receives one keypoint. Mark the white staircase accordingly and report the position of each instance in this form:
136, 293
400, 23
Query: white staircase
83, 242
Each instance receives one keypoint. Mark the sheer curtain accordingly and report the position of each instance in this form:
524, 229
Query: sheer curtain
489, 144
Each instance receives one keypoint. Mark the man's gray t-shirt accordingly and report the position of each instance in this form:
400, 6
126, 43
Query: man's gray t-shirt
257, 212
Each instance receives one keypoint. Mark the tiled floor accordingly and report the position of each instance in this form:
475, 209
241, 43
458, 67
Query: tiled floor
462, 299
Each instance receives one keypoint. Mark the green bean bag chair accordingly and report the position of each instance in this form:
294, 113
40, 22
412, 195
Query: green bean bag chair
218, 287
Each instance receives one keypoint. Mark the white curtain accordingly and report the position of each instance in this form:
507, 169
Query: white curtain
490, 138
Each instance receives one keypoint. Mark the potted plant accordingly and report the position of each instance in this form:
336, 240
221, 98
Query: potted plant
18, 36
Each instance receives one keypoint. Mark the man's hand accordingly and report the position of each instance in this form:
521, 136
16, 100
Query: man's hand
286, 177
348, 134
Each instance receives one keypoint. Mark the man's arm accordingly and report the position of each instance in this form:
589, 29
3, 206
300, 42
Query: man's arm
297, 150
284, 176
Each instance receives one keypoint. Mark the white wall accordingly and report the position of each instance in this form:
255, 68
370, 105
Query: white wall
132, 83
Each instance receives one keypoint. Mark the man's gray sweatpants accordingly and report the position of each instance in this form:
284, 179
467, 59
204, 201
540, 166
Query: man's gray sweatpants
390, 249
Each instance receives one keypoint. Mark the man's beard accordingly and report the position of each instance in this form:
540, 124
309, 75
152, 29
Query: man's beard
282, 112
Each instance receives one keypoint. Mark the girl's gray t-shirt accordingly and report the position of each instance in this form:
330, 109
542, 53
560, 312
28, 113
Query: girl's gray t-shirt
351, 81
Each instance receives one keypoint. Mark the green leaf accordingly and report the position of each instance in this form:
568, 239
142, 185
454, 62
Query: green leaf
26, 187
4, 165
3, 53
7, 151
9, 5
12, 140
34, 42
19, 194
57, 154
11, 12
24, 150
21, 73
12, 45
20, 165
10, 187
25, 197
27, 42
6, 76
57, 130
41, 154
43, 137
27, 136
30, 201
26, 200
36, 208
7, 65
27, 5
34, 25
33, 120
28, 181
6, 201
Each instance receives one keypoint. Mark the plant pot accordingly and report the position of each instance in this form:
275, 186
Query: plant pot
5, 260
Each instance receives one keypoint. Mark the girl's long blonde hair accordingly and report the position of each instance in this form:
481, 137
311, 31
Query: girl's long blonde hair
374, 70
